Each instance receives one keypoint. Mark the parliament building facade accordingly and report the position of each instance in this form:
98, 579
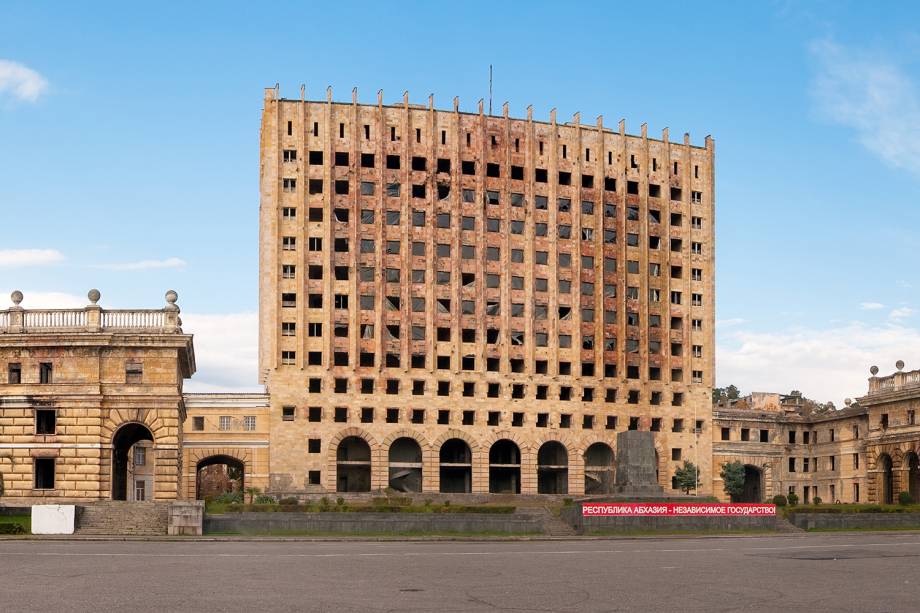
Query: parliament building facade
449, 303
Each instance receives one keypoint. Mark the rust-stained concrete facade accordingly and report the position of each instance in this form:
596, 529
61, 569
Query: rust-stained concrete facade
439, 276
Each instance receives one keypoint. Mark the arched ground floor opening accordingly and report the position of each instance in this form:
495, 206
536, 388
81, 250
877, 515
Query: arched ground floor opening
913, 476
133, 463
599, 469
885, 481
753, 485
353, 465
456, 467
552, 469
405, 459
217, 475
504, 468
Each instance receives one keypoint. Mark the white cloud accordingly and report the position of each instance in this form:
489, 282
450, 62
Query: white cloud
226, 351
873, 96
900, 313
47, 300
871, 306
21, 82
730, 322
13, 258
145, 265
825, 364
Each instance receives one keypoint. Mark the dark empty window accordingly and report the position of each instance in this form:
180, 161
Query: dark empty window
45, 421
44, 473
45, 373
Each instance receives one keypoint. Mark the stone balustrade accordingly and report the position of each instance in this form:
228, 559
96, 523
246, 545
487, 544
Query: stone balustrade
898, 381
91, 318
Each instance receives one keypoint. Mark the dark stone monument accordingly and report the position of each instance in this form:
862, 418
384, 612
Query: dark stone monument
637, 466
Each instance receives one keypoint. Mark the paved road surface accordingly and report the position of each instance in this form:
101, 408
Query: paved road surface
867, 572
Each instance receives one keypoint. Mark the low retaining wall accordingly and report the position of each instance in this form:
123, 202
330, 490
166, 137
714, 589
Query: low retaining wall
587, 525
842, 521
358, 523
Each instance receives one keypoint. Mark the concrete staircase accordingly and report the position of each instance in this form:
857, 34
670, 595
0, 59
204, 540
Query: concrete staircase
123, 518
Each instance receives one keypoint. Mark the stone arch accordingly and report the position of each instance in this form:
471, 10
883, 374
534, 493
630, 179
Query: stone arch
505, 462
599, 460
753, 484
461, 478
404, 462
912, 465
123, 439
553, 467
884, 472
405, 433
231, 479
455, 466
333, 447
362, 472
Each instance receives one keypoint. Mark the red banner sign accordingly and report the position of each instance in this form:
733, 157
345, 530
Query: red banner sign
673, 509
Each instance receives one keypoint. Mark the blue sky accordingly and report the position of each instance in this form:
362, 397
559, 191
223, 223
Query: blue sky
129, 150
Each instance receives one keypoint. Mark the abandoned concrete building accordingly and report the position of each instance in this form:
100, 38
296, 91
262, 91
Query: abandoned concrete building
449, 303
461, 302
865, 452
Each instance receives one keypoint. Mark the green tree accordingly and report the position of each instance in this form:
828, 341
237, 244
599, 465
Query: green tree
732, 474
725, 393
688, 477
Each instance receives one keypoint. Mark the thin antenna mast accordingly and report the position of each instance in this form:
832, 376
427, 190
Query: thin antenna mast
490, 90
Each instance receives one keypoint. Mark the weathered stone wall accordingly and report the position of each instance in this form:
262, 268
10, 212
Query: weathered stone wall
357, 523
854, 521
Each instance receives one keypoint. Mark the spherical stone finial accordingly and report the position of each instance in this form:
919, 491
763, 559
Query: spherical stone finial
172, 296
16, 297
899, 364
848, 401
94, 295
874, 370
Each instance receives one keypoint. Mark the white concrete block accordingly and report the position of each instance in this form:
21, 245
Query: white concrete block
53, 518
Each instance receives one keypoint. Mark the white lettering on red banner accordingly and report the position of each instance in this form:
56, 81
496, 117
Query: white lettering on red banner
674, 509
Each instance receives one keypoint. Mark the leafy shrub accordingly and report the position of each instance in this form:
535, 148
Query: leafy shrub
289, 501
793, 498
229, 498
264, 499
904, 498
12, 529
816, 500
339, 501
780, 500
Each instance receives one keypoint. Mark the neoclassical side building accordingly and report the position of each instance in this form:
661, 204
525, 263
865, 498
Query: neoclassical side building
91, 403
866, 452
893, 441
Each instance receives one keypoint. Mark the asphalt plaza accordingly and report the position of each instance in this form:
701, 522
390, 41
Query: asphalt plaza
813, 572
